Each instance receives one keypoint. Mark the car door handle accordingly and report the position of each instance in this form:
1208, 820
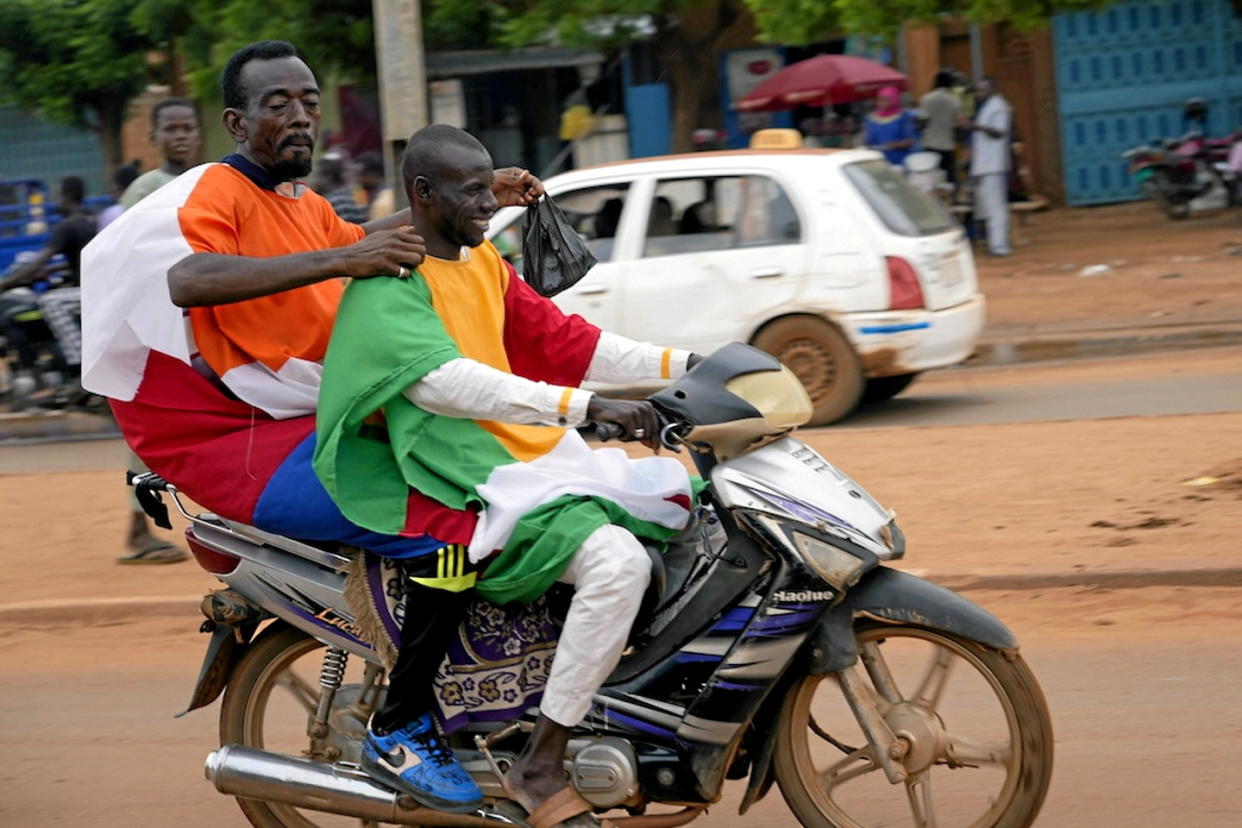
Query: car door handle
766, 273
593, 290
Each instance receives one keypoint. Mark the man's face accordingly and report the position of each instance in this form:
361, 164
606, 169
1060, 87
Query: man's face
281, 121
983, 89
176, 133
461, 203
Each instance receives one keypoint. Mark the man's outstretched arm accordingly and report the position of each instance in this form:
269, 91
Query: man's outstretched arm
469, 389
218, 279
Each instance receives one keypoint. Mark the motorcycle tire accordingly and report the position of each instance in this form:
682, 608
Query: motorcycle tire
823, 360
241, 715
1027, 765
1175, 210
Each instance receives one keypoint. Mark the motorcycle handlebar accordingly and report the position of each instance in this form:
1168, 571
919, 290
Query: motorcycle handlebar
669, 437
608, 431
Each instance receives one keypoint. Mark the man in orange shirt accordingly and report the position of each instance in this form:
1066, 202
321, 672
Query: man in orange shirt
207, 310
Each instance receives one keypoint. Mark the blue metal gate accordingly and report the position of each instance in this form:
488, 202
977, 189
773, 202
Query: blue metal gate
1124, 73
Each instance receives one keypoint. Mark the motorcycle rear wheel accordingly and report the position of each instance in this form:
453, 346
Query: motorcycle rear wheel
852, 792
281, 657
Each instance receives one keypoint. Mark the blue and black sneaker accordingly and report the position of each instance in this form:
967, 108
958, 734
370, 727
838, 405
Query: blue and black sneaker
414, 760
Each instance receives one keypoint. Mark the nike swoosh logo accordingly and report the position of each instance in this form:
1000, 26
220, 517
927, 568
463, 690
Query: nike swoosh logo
395, 757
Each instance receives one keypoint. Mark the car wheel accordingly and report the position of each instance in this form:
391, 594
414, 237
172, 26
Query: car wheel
822, 358
880, 389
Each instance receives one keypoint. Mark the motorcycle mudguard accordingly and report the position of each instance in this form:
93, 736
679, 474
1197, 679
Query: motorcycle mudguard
223, 650
892, 596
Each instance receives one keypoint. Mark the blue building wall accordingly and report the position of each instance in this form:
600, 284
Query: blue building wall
1123, 75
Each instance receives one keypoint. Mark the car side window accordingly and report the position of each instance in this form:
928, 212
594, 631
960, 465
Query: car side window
692, 215
595, 212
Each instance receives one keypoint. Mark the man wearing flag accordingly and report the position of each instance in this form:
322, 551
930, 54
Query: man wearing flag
462, 383
207, 312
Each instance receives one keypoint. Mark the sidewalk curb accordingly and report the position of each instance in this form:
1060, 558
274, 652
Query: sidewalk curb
103, 610
1077, 345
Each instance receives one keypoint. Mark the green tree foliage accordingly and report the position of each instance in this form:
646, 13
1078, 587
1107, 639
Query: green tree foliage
78, 62
805, 21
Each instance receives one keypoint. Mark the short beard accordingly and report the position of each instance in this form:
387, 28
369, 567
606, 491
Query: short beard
292, 170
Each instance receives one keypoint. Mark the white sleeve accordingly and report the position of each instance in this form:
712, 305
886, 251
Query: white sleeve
618, 359
468, 389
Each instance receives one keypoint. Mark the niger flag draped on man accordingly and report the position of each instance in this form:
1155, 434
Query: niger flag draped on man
541, 489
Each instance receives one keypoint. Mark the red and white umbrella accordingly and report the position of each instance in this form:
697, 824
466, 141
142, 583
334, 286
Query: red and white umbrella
820, 81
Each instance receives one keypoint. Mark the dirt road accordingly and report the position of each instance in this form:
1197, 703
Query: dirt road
1140, 684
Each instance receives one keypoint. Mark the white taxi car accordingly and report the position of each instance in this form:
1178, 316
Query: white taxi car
827, 259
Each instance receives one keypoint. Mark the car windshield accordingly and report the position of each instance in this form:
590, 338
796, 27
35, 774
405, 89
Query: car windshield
904, 209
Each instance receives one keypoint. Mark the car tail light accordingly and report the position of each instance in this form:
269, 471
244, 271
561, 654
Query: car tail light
209, 558
904, 290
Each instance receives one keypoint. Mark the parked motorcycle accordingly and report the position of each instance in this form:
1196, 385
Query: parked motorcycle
1186, 174
777, 644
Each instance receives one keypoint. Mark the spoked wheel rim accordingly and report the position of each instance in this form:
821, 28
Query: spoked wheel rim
813, 364
832, 770
280, 683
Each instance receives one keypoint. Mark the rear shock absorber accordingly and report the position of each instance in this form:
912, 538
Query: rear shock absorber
330, 677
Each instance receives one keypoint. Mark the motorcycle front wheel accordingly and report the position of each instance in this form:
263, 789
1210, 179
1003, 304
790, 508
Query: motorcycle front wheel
972, 722
270, 701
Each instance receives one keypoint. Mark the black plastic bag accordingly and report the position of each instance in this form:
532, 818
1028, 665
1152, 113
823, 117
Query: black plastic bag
554, 256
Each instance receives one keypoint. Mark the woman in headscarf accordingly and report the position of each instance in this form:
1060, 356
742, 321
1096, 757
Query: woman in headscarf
891, 129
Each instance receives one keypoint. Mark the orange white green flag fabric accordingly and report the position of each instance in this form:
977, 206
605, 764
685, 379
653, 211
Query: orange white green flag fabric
540, 490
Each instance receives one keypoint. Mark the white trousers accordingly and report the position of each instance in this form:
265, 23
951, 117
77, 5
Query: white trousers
992, 205
610, 573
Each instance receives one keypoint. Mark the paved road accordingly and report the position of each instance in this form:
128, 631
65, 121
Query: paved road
1185, 382
1188, 382
1147, 728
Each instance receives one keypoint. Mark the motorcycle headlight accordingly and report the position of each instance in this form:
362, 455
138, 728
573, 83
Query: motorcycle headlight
836, 566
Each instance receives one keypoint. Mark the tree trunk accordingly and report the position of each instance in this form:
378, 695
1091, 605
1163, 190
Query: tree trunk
111, 121
688, 46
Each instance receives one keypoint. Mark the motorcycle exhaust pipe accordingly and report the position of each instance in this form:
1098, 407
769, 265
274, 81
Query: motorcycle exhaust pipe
290, 780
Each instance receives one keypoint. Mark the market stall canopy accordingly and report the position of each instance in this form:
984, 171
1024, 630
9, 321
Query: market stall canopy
820, 81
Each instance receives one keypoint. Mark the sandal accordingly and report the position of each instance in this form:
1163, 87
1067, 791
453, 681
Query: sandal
154, 552
563, 805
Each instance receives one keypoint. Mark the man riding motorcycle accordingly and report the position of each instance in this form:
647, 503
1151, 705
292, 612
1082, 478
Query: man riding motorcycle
475, 377
219, 398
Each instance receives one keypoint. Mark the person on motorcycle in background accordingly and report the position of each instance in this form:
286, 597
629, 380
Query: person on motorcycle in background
69, 236
220, 399
175, 131
471, 379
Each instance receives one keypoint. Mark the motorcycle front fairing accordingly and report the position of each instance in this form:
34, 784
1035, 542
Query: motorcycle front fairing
788, 484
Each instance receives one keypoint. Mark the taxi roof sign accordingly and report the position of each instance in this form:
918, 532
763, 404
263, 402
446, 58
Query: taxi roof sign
776, 139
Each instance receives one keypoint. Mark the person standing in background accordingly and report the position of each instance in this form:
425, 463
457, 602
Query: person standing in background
121, 179
990, 163
939, 112
330, 183
175, 130
890, 128
377, 195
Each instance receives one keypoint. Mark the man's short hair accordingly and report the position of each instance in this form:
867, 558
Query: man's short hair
425, 153
371, 162
945, 78
124, 175
167, 103
232, 90
331, 169
73, 188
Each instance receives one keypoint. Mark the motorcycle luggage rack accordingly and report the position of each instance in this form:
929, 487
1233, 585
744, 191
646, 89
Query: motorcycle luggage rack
149, 485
